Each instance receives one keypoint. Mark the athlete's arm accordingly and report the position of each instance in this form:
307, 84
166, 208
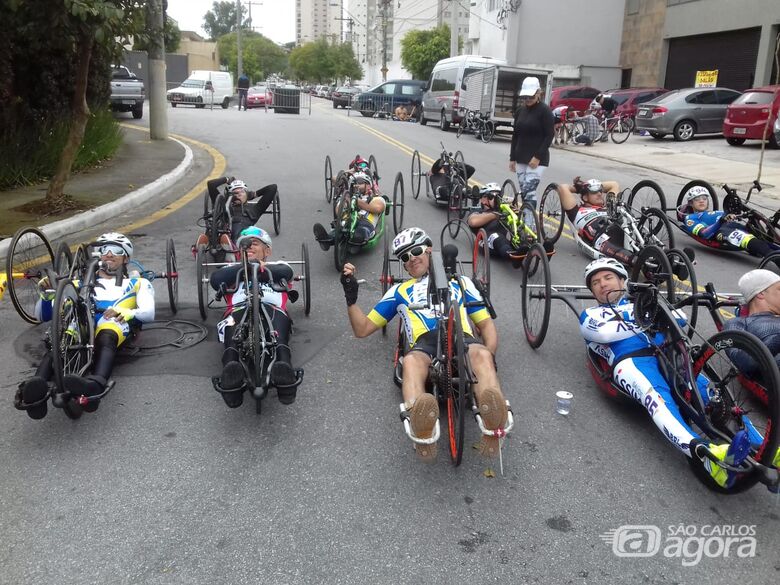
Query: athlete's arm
611, 187
603, 325
482, 218
376, 205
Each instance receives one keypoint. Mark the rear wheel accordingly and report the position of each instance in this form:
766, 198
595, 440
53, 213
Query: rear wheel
536, 300
255, 352
455, 209
276, 211
416, 174
202, 274
658, 135
509, 192
328, 179
29, 257
621, 130
444, 125
171, 275
219, 223
550, 214
699, 183
653, 266
646, 194
656, 229
684, 130
341, 235
398, 203
457, 379
488, 131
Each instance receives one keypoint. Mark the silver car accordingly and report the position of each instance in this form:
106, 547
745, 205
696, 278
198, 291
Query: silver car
684, 113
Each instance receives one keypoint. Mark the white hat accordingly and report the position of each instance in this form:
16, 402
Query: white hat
530, 87
756, 281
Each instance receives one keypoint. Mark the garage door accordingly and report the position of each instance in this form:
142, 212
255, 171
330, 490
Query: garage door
732, 53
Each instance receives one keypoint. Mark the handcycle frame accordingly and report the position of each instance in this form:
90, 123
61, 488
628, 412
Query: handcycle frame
681, 362
456, 178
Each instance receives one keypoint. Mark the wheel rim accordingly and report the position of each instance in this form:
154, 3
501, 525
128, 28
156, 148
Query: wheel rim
306, 279
454, 210
277, 212
416, 174
456, 395
646, 194
398, 203
328, 179
685, 131
656, 229
29, 256
653, 266
684, 288
172, 276
481, 261
202, 275
71, 334
536, 296
550, 215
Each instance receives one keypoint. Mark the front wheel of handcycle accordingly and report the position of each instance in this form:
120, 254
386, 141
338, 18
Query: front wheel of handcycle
398, 203
256, 339
30, 258
276, 211
732, 406
328, 179
456, 384
656, 229
416, 174
550, 214
171, 275
456, 209
63, 259
652, 266
644, 194
202, 258
536, 299
685, 284
306, 278
373, 168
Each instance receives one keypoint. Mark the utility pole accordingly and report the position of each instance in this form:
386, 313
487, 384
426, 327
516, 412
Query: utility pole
240, 66
350, 23
158, 113
250, 4
453, 28
385, 8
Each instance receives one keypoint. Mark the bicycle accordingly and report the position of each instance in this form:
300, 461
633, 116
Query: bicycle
478, 123
618, 128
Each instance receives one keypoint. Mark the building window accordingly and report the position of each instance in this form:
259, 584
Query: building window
632, 7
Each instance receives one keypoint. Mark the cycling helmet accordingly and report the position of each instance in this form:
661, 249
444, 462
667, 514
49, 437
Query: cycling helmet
236, 184
604, 264
593, 186
696, 191
361, 178
358, 163
254, 233
117, 239
493, 188
408, 239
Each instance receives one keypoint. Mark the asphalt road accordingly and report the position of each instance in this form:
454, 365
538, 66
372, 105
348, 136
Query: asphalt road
165, 484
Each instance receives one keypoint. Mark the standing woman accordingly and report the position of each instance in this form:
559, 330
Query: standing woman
531, 139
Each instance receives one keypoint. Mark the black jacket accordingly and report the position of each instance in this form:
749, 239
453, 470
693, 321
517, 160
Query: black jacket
532, 134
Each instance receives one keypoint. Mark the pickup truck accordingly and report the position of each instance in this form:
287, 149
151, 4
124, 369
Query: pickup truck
127, 92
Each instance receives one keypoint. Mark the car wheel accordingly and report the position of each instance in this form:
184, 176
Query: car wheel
335, 105
657, 135
138, 112
225, 103
772, 143
444, 125
684, 130
735, 141
173, 104
423, 120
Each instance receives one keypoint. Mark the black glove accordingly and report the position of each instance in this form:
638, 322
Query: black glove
350, 285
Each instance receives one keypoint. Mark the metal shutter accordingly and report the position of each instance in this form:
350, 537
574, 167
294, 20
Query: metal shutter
733, 54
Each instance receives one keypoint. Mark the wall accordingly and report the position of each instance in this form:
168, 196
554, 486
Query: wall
176, 67
201, 54
642, 46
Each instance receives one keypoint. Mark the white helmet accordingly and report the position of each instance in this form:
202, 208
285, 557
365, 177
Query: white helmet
361, 178
604, 264
594, 186
408, 239
236, 184
254, 233
696, 191
118, 239
490, 188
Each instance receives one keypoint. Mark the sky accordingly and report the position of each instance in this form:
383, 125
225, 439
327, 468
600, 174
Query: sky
272, 18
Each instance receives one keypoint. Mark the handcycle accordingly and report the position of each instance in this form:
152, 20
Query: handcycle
332, 186
254, 335
453, 190
478, 123
451, 377
681, 361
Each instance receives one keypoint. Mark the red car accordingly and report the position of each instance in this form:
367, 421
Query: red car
628, 99
746, 116
259, 97
577, 97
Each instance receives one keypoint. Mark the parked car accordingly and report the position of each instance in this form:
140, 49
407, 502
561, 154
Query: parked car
127, 92
322, 91
683, 113
577, 97
387, 96
259, 96
746, 116
202, 88
628, 99
343, 96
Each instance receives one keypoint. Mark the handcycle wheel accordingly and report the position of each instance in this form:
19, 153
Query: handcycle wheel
72, 339
202, 274
306, 278
256, 337
653, 266
461, 127
207, 203
342, 185
63, 259
509, 191
386, 278
171, 275
398, 203
480, 265
699, 183
762, 227
646, 194
656, 228
488, 131
550, 214
621, 130
328, 179
416, 174
218, 222
460, 166
684, 288
372, 167
715, 360
276, 211
29, 256
527, 211
770, 261
340, 236
455, 209
536, 299
455, 386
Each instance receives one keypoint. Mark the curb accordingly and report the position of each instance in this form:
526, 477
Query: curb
99, 214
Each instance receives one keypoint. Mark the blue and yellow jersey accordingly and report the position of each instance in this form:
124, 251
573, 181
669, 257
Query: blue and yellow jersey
134, 298
702, 224
419, 321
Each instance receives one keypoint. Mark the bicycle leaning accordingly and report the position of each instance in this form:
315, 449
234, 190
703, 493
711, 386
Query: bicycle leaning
478, 123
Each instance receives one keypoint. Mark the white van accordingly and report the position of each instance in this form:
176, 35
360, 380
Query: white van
202, 88
442, 93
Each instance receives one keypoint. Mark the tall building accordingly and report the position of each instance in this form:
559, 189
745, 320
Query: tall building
316, 19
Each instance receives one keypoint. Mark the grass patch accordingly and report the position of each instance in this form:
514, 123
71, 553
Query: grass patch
30, 153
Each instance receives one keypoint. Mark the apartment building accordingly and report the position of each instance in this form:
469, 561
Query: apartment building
316, 19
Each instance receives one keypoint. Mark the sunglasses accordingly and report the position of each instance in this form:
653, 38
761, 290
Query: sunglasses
113, 249
416, 251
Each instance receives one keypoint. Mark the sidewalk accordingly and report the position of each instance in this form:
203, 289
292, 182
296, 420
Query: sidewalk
140, 171
710, 159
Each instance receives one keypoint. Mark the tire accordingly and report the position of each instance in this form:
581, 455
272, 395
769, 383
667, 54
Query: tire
735, 141
658, 135
684, 130
218, 222
536, 299
138, 112
423, 120
29, 257
656, 229
759, 225
173, 104
385, 279
72, 338
550, 214
716, 364
509, 191
340, 245
226, 103
328, 179
398, 203
684, 288
416, 174
368, 111
653, 266
455, 209
488, 131
456, 390
621, 130
171, 275
63, 259
480, 262
699, 183
373, 168
202, 275
206, 203
444, 125
334, 105
276, 212
648, 194
461, 128
527, 210
306, 279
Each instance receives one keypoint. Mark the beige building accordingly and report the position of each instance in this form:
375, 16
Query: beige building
642, 46
316, 19
201, 54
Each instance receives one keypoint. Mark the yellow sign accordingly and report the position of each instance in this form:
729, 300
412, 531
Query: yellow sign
706, 78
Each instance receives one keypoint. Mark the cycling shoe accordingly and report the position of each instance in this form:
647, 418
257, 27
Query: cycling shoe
34, 390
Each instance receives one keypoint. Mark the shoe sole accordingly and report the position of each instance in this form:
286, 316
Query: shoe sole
492, 409
422, 418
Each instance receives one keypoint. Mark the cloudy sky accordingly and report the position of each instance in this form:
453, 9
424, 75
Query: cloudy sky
273, 18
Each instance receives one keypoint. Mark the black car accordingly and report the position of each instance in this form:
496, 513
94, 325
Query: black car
343, 96
387, 96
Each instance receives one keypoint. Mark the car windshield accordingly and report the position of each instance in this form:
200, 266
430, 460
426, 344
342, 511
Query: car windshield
620, 98
344, 89
754, 97
193, 83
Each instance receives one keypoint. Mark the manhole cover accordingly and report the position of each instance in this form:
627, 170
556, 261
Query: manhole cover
160, 337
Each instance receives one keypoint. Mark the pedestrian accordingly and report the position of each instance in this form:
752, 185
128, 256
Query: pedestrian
243, 90
531, 139
592, 130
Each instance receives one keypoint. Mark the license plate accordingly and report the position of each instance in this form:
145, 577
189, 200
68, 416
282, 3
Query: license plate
128, 102
176, 98
643, 113
740, 130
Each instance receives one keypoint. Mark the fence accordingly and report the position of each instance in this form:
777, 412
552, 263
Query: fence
385, 106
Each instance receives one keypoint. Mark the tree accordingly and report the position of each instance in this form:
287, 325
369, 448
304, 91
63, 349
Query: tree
172, 36
260, 55
221, 19
320, 61
422, 49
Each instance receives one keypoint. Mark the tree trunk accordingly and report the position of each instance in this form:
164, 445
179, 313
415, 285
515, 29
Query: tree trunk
55, 198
